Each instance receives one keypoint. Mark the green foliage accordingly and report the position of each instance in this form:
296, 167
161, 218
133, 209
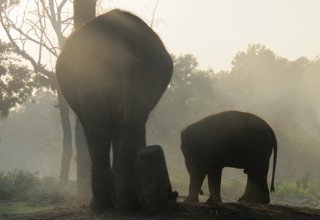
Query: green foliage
25, 186
314, 188
7, 189
16, 81
287, 193
17, 182
290, 191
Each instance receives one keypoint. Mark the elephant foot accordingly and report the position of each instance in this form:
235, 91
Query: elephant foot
244, 199
129, 203
255, 199
97, 205
191, 199
173, 195
261, 200
213, 200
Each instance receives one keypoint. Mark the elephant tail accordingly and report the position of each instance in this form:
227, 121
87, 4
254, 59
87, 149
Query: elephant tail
275, 151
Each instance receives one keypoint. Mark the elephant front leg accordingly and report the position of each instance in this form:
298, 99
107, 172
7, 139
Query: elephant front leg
197, 175
128, 140
214, 182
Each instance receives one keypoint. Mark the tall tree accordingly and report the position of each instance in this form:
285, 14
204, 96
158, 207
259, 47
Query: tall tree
42, 25
34, 28
84, 11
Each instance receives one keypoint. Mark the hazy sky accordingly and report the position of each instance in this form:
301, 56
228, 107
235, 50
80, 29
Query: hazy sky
215, 30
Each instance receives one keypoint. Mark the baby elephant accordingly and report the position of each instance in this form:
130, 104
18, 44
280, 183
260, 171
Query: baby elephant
229, 139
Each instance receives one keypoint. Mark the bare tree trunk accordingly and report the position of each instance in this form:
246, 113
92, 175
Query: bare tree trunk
65, 123
48, 12
84, 192
67, 140
84, 11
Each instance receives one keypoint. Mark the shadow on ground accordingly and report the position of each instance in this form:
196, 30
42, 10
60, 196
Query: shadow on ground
224, 211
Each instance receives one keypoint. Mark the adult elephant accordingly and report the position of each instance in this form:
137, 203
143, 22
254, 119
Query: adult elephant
229, 139
113, 72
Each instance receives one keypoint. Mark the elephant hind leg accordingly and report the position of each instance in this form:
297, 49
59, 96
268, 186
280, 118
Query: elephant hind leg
261, 195
248, 195
257, 187
214, 182
197, 174
127, 140
102, 181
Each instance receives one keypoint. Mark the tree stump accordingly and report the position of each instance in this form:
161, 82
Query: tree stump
153, 179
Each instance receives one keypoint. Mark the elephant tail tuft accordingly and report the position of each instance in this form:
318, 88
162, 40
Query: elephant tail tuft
272, 188
275, 151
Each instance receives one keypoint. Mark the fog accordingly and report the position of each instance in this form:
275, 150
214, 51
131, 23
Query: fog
282, 92
31, 138
216, 30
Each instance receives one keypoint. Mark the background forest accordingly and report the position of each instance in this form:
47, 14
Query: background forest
282, 92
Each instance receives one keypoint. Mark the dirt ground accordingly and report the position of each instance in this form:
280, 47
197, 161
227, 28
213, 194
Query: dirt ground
224, 211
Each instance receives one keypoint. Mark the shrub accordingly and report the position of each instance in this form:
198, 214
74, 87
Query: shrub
289, 190
314, 188
7, 189
24, 181
26, 186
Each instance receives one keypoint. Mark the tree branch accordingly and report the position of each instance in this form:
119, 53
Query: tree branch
153, 20
61, 6
37, 68
27, 36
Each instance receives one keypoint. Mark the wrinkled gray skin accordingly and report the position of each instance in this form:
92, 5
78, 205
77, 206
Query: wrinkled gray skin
113, 72
229, 139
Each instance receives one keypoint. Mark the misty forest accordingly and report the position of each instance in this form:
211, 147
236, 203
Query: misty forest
50, 160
